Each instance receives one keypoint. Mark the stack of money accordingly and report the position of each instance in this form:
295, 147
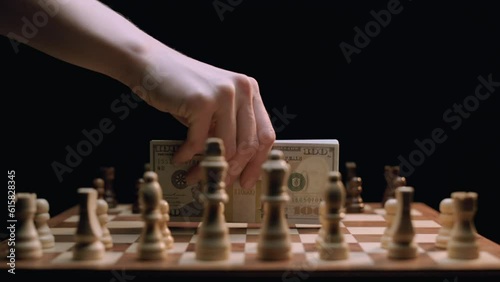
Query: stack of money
310, 161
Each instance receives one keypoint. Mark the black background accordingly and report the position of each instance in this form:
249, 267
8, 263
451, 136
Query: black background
394, 91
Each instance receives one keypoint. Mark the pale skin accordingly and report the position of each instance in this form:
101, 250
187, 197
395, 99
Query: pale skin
210, 101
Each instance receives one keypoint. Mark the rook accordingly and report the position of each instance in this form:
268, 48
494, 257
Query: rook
463, 242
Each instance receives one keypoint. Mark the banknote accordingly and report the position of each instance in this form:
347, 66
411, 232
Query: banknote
310, 160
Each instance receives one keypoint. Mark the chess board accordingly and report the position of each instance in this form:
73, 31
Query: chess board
362, 232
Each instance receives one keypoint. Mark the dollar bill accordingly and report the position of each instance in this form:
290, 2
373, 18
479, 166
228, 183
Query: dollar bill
310, 161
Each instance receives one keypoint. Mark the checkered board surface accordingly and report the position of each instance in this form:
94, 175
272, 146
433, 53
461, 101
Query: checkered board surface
361, 231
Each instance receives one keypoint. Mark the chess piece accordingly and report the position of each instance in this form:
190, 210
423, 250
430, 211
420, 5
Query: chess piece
354, 202
213, 234
151, 244
274, 242
102, 216
390, 210
330, 242
321, 211
398, 181
394, 180
88, 245
136, 206
446, 220
388, 180
98, 184
147, 167
41, 217
166, 233
28, 245
402, 245
108, 175
463, 240
351, 172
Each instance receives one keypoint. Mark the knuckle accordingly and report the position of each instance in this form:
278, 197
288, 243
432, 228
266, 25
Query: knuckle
195, 145
226, 91
245, 87
247, 149
199, 100
267, 137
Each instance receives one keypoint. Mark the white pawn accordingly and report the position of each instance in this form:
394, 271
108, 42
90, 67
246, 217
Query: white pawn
402, 245
41, 217
390, 207
330, 241
151, 245
463, 239
446, 220
28, 245
88, 233
102, 215
167, 235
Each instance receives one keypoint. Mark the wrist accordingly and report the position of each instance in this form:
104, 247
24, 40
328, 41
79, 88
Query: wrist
144, 68
134, 61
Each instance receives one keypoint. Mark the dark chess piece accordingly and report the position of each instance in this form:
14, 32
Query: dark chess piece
98, 184
354, 202
136, 207
351, 171
108, 175
393, 180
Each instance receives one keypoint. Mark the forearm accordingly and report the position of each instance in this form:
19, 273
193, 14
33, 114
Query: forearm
85, 33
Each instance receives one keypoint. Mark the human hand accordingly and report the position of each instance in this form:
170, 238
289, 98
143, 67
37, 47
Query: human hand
211, 102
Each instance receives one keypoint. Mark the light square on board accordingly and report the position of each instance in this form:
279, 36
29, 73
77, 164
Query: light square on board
67, 258
354, 259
